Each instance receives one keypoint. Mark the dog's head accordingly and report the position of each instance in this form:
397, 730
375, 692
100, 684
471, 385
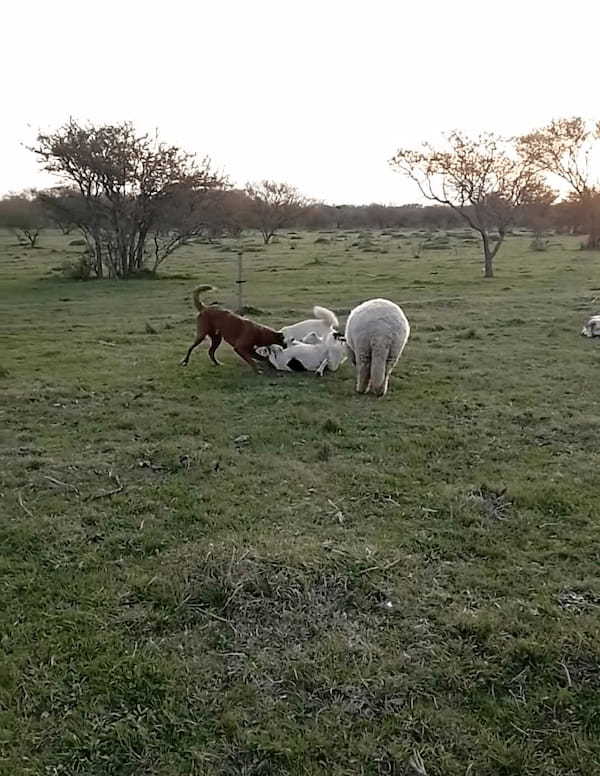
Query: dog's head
270, 350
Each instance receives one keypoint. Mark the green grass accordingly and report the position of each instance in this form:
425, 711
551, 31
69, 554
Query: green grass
289, 578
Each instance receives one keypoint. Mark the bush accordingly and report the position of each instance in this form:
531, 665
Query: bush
538, 244
77, 269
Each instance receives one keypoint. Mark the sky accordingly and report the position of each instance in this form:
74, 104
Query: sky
316, 94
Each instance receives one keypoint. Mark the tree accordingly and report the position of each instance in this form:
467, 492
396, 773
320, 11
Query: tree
481, 179
117, 186
24, 215
535, 215
227, 213
274, 205
565, 148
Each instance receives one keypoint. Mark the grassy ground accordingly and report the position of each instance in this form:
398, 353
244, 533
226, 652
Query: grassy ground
288, 578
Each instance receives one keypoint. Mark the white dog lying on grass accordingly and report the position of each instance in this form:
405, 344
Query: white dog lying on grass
322, 324
317, 355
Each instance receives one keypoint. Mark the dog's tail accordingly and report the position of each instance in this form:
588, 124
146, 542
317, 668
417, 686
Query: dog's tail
326, 315
196, 294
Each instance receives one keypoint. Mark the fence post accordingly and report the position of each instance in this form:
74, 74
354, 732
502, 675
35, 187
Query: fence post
240, 281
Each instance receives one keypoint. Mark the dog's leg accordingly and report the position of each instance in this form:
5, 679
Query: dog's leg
247, 356
197, 341
322, 367
215, 341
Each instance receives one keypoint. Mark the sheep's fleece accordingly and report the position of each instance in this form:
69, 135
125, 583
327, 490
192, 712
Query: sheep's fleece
376, 333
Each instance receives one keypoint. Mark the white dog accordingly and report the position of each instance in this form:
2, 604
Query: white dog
376, 333
328, 353
322, 324
592, 327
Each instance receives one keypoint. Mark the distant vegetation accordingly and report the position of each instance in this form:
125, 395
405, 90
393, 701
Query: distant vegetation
134, 201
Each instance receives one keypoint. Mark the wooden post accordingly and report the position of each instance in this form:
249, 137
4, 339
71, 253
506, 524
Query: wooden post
240, 281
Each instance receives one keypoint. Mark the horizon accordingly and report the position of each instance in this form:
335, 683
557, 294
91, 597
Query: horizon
319, 97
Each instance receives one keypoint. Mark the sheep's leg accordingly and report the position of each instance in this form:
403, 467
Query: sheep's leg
363, 374
381, 366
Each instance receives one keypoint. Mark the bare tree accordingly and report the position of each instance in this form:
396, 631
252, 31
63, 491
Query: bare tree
69, 208
24, 215
565, 148
481, 179
536, 215
117, 184
275, 205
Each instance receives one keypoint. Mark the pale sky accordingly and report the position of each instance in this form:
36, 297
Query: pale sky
316, 94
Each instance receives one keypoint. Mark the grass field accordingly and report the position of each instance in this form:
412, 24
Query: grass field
288, 578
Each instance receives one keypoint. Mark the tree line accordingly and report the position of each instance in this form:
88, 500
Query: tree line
135, 200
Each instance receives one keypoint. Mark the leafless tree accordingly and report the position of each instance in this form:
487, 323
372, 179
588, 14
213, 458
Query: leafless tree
117, 184
24, 215
536, 215
274, 206
482, 179
565, 149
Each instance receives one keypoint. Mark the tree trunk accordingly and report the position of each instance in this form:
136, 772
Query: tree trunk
593, 241
488, 256
591, 205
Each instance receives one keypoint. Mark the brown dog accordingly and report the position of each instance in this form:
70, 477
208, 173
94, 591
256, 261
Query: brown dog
242, 334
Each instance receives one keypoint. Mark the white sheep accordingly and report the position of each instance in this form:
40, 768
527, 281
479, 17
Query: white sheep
376, 333
592, 327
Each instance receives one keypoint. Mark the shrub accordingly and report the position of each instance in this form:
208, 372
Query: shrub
77, 269
538, 244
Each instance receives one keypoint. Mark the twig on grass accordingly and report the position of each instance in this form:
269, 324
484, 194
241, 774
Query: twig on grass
387, 567
66, 485
569, 680
417, 764
22, 504
105, 493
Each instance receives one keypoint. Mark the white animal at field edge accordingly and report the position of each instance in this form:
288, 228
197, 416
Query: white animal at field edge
376, 333
592, 327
